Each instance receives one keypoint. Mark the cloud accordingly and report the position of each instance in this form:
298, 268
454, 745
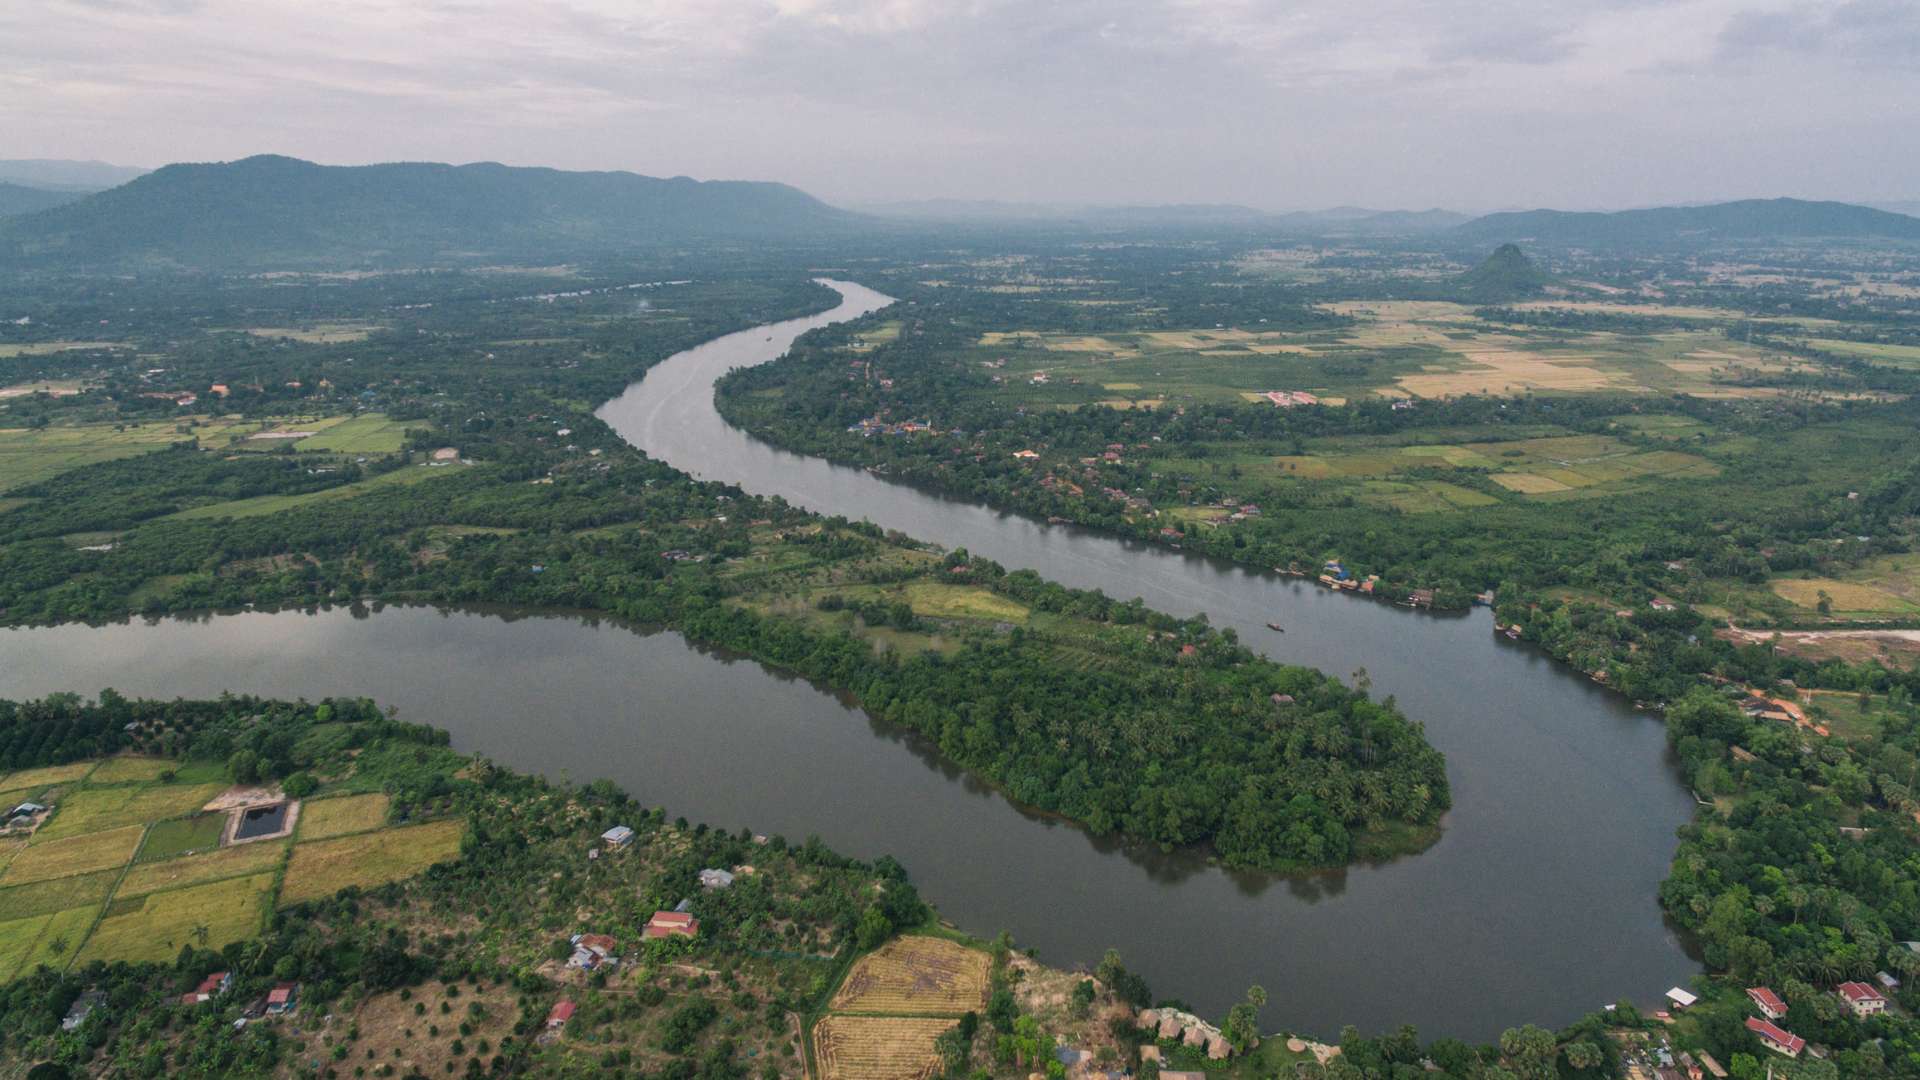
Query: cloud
1275, 102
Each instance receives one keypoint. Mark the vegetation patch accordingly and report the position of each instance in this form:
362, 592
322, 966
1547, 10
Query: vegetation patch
371, 433
57, 894
93, 809
963, 602
42, 778
127, 769
321, 868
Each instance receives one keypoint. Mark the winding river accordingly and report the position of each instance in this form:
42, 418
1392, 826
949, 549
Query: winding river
1538, 903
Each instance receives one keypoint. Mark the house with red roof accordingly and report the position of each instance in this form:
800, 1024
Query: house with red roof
1863, 999
1767, 1002
283, 998
1774, 1039
668, 924
210, 987
558, 1016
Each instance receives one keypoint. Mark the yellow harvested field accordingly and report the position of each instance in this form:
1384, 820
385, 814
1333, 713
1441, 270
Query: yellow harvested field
221, 863
963, 602
122, 770
1845, 595
93, 809
42, 777
158, 926
1508, 371
877, 1047
25, 944
1528, 483
1117, 386
321, 868
916, 976
321, 818
1086, 344
75, 855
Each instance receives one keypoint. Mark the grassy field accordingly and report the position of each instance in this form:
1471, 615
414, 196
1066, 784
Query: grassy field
194, 869
57, 894
157, 926
322, 818
49, 939
27, 779
177, 837
28, 456
318, 333
938, 601
126, 770
368, 434
1901, 356
50, 348
273, 504
321, 868
1880, 588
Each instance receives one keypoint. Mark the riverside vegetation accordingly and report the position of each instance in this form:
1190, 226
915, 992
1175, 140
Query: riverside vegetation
319, 476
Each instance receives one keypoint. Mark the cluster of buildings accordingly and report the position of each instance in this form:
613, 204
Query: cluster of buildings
1189, 1029
873, 425
1287, 399
1861, 999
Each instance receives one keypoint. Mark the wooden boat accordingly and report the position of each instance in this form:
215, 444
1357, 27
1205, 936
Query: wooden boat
1276, 626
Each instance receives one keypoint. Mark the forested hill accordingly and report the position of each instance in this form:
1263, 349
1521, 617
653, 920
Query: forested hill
264, 210
1747, 219
21, 199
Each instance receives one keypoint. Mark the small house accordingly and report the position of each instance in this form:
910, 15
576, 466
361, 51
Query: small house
283, 998
558, 1016
1887, 981
446, 453
618, 837
1681, 998
210, 987
1776, 1039
1864, 1000
28, 809
715, 879
1767, 1002
670, 924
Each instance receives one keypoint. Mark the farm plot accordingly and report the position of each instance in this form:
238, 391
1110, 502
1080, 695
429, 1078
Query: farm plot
128, 770
47, 775
321, 818
57, 894
878, 1047
321, 868
156, 926
28, 456
963, 602
74, 855
241, 861
369, 434
25, 944
916, 976
96, 808
181, 835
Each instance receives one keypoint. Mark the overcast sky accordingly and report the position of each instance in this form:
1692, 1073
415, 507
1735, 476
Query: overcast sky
1470, 104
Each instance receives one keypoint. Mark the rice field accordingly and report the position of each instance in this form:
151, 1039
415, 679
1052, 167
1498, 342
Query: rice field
273, 504
177, 837
963, 602
46, 776
126, 770
878, 1047
73, 855
157, 926
237, 861
916, 976
372, 433
322, 818
49, 939
320, 868
94, 809
28, 456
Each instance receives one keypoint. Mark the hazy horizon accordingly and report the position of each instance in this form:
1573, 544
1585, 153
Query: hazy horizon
1604, 105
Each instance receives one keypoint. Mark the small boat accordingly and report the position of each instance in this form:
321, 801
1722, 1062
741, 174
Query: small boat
1276, 627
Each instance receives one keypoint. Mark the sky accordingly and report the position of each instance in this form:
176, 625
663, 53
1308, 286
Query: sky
1470, 104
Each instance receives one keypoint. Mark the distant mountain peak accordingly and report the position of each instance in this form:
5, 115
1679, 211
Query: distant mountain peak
1749, 219
1507, 274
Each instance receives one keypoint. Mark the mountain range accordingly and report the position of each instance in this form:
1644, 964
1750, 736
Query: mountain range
280, 209
1747, 219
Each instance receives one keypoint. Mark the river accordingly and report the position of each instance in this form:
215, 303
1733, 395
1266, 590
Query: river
1537, 904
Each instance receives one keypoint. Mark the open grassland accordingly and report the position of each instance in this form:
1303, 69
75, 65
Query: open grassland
240, 860
963, 602
1900, 356
181, 835
46, 777
318, 333
127, 770
74, 855
273, 504
50, 348
321, 868
878, 1047
157, 926
368, 434
916, 976
95, 809
1884, 587
322, 818
28, 456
